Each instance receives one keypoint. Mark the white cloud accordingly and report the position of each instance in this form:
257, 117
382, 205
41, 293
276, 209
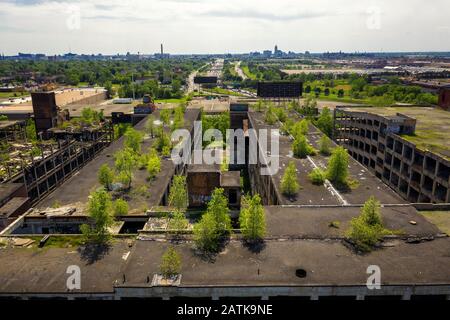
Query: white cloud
210, 26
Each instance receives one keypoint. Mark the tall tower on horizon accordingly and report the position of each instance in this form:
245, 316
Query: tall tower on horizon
162, 50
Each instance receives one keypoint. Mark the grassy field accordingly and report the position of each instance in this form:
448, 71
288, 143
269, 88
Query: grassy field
5, 95
180, 100
223, 92
247, 72
345, 99
439, 218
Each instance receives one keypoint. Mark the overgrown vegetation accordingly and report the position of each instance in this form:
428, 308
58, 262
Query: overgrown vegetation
367, 229
252, 219
171, 263
178, 196
337, 171
301, 148
325, 146
317, 176
289, 181
106, 176
215, 224
100, 211
120, 207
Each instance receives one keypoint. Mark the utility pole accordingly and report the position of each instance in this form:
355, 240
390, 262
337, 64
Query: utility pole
132, 85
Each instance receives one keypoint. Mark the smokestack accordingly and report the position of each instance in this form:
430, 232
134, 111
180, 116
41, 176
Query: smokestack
162, 50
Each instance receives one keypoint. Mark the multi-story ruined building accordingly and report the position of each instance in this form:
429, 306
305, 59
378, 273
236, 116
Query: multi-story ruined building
406, 147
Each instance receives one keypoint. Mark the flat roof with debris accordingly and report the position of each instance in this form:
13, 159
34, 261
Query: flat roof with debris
310, 194
432, 127
327, 263
80, 185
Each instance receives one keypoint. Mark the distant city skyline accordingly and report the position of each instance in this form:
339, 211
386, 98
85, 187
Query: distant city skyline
222, 26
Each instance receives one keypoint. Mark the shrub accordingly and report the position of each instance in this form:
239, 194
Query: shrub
170, 264
150, 126
133, 140
325, 145
367, 229
153, 165
300, 128
270, 116
163, 142
289, 182
164, 115
338, 167
120, 207
325, 122
281, 114
105, 176
301, 148
178, 221
178, 196
317, 176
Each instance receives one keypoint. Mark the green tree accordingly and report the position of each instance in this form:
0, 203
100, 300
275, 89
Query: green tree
371, 212
178, 196
252, 219
338, 166
150, 126
120, 207
105, 176
170, 264
317, 176
300, 128
30, 130
164, 115
281, 114
178, 221
367, 229
325, 122
163, 142
125, 163
218, 208
301, 148
206, 235
100, 211
176, 85
270, 116
133, 140
178, 118
325, 145
109, 89
153, 164
289, 181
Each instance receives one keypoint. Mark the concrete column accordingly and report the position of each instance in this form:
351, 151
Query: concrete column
406, 296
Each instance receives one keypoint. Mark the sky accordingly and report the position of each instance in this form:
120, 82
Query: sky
222, 26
